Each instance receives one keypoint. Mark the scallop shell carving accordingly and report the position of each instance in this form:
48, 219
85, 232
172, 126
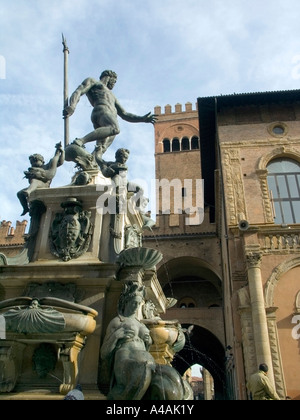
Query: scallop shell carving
146, 258
34, 319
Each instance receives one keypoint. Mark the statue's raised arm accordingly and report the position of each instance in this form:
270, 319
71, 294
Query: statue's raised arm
82, 89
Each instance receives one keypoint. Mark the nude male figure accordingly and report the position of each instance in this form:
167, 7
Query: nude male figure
106, 108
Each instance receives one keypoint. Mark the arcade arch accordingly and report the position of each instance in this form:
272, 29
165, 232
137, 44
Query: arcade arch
203, 348
199, 309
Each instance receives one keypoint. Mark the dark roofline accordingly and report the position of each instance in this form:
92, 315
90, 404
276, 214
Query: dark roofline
254, 98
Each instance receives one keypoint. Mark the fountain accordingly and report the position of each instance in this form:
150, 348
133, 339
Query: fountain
82, 302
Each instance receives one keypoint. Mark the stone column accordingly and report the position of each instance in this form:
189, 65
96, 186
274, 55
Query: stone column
259, 317
207, 385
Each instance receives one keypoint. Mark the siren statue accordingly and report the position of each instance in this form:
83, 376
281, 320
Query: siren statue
134, 373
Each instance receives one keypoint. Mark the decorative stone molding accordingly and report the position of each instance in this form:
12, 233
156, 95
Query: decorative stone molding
275, 277
280, 124
267, 206
282, 151
235, 195
262, 173
275, 353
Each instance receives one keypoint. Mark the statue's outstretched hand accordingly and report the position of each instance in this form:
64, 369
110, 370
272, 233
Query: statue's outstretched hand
150, 118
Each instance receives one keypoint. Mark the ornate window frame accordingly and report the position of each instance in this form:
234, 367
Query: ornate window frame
280, 124
262, 173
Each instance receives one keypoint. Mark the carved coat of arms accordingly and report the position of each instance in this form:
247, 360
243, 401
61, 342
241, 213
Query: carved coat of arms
71, 231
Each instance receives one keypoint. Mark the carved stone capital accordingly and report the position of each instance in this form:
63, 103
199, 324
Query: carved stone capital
253, 259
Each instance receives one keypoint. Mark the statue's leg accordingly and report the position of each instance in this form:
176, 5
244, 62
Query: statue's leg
101, 147
105, 124
34, 184
22, 196
100, 133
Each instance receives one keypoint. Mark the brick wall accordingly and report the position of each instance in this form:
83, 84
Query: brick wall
12, 239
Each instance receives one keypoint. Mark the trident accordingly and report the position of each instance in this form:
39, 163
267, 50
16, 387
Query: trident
66, 98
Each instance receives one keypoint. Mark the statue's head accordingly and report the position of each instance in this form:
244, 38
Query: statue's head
122, 155
131, 298
112, 78
36, 160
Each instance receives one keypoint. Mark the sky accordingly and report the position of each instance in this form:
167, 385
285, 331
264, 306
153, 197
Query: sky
164, 52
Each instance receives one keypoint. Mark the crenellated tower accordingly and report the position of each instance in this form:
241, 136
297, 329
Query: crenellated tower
177, 166
12, 238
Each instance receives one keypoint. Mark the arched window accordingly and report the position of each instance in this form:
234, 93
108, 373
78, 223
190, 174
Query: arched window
185, 144
284, 186
195, 143
175, 145
166, 143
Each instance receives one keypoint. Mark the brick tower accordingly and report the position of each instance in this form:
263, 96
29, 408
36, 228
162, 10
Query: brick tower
185, 233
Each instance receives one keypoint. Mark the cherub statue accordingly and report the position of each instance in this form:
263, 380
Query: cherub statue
40, 174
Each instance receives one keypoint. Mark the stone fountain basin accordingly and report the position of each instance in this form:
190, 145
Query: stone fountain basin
162, 332
30, 315
146, 258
